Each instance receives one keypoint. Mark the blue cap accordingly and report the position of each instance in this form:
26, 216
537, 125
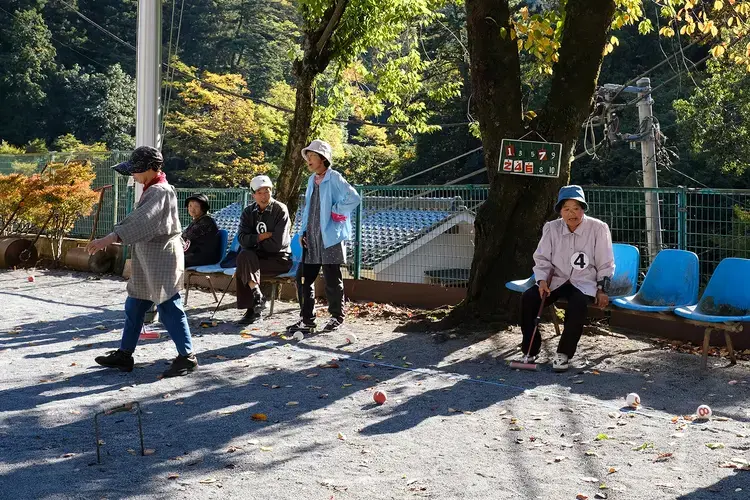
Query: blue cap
571, 192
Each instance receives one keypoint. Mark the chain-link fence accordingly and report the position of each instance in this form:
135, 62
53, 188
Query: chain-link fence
425, 234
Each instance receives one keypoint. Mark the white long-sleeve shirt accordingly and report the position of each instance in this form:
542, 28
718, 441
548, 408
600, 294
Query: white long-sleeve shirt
582, 257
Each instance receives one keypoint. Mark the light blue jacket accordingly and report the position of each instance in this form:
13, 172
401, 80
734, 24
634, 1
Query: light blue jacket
337, 196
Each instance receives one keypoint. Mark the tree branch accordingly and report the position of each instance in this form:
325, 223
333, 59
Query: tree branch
333, 22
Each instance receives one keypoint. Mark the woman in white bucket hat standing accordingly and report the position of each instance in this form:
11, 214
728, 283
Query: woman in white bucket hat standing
326, 225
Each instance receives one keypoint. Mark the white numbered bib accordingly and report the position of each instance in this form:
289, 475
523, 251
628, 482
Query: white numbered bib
579, 261
261, 228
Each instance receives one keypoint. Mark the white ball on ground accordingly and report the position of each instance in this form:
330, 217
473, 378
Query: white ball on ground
703, 411
633, 400
351, 338
298, 335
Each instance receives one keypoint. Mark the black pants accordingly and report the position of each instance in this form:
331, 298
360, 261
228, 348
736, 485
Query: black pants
575, 317
334, 290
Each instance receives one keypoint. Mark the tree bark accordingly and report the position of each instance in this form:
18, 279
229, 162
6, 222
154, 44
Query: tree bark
318, 53
508, 225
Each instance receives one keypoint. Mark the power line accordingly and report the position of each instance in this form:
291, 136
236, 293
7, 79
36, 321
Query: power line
251, 98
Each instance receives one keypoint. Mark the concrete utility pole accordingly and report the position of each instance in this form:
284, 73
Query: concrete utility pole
648, 156
148, 78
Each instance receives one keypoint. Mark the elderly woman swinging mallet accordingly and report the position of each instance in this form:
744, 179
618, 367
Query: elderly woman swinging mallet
573, 261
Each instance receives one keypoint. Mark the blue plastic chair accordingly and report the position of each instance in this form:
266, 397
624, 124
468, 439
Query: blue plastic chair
624, 282
724, 305
288, 277
672, 281
207, 270
223, 240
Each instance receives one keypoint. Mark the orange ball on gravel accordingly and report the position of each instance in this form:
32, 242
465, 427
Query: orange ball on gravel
379, 397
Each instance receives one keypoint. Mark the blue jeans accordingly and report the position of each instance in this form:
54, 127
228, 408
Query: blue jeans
172, 316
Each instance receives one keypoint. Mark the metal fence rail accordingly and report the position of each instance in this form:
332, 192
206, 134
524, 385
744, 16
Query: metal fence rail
425, 234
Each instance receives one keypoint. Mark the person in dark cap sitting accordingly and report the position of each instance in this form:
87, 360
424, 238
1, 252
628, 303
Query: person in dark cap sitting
202, 241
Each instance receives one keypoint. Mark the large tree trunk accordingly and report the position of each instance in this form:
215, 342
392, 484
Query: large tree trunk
288, 185
318, 53
509, 223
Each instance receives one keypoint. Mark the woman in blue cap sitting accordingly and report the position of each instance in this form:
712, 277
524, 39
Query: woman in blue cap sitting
574, 261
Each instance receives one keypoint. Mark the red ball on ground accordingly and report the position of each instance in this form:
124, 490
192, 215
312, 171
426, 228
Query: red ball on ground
379, 397
31, 279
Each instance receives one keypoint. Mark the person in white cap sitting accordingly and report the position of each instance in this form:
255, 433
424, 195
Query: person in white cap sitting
574, 261
264, 237
329, 201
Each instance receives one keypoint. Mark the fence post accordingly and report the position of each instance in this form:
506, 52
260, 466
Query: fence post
116, 202
358, 237
682, 228
245, 198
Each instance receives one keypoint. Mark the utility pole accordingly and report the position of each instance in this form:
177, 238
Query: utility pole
148, 78
648, 157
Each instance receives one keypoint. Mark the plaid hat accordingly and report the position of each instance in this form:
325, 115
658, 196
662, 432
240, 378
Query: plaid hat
144, 158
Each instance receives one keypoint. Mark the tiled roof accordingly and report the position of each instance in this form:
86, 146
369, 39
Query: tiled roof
389, 224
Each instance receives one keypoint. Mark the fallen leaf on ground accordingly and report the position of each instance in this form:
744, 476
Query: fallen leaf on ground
364, 377
131, 451
611, 470
75, 412
173, 476
715, 446
643, 446
581, 496
232, 449
601, 437
266, 448
311, 375
663, 457
591, 453
341, 437
292, 403
259, 416
208, 480
219, 356
329, 365
166, 396
246, 336
68, 455
345, 386
149, 451
101, 327
275, 387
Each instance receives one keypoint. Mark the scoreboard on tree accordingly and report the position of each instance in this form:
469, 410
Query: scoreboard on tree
535, 159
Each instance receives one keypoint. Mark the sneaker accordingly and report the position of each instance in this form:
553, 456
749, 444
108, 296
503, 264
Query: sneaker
301, 326
560, 362
250, 317
332, 325
117, 359
181, 366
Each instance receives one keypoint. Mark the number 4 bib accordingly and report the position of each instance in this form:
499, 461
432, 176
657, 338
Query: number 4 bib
579, 261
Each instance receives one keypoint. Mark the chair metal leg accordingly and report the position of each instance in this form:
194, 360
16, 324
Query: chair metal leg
187, 288
706, 346
730, 347
211, 285
555, 320
274, 288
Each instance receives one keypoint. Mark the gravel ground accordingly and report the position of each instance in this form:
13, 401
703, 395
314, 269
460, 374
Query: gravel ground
458, 422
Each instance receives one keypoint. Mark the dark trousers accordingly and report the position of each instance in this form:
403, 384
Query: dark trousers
251, 268
575, 316
334, 290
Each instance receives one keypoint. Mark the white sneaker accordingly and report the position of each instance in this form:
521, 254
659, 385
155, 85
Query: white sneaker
560, 362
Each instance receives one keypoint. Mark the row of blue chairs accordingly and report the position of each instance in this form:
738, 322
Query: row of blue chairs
672, 285
216, 269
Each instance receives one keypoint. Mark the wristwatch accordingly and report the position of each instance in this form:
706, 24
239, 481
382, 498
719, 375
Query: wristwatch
603, 284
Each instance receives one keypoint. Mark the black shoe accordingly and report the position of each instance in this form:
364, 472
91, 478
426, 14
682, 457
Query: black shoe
181, 366
301, 326
250, 317
332, 325
259, 303
117, 359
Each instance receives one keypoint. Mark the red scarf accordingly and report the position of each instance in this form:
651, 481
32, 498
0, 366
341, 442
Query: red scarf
161, 178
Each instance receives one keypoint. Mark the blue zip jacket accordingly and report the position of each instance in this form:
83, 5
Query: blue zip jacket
337, 196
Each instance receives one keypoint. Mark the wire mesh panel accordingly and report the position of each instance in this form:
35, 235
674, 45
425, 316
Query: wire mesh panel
624, 210
217, 199
718, 226
417, 234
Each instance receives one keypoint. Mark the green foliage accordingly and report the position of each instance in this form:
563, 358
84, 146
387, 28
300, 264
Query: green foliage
217, 135
9, 149
68, 143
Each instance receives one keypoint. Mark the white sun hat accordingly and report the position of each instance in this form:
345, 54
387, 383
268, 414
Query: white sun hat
322, 148
260, 181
